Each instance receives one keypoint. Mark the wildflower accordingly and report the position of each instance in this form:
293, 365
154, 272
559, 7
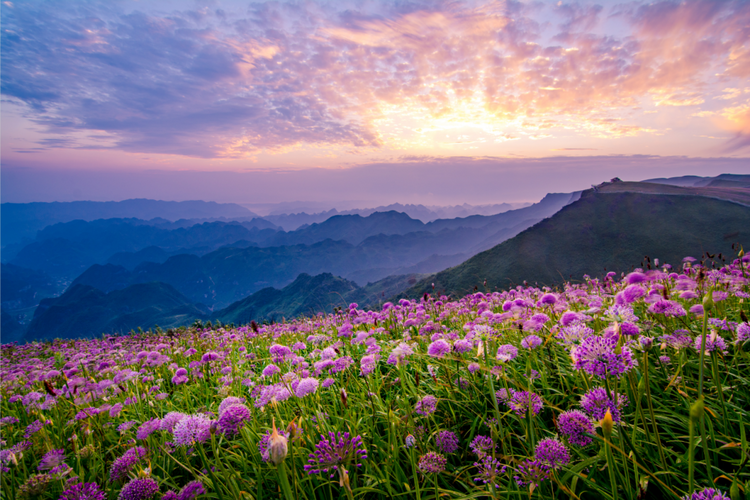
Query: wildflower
233, 418
367, 364
265, 442
521, 402
270, 370
192, 429
306, 386
34, 486
462, 345
482, 445
575, 425
426, 405
126, 426
334, 451
596, 403
532, 472
399, 353
706, 494
123, 465
34, 427
668, 308
147, 428
447, 442
410, 441
598, 356
438, 349
51, 459
83, 491
552, 452
180, 376
277, 446
489, 469
191, 490
506, 352
713, 342
531, 342
432, 463
473, 367
139, 489
743, 333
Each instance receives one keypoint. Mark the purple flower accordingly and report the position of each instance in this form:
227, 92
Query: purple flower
139, 489
462, 345
147, 428
489, 469
629, 329
548, 299
532, 472
706, 494
506, 352
270, 370
399, 354
713, 342
180, 376
367, 364
122, 466
521, 402
306, 386
598, 356
230, 401
552, 452
265, 443
279, 352
336, 450
170, 420
191, 490
531, 342
596, 403
743, 333
432, 463
34, 427
210, 356
473, 367
697, 309
667, 308
83, 491
51, 459
630, 294
482, 445
192, 429
233, 418
426, 405
447, 442
438, 349
575, 425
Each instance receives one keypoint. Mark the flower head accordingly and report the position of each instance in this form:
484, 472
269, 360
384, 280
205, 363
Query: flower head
489, 469
575, 425
598, 356
506, 352
334, 451
596, 403
532, 472
432, 463
426, 405
438, 349
139, 489
52, 459
233, 418
83, 491
123, 465
522, 401
482, 445
447, 442
147, 428
552, 452
192, 429
706, 494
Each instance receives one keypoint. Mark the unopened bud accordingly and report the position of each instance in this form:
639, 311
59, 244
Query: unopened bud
708, 301
294, 430
734, 490
696, 409
343, 397
277, 446
607, 424
410, 441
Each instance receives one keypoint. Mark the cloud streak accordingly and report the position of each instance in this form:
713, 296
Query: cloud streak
223, 83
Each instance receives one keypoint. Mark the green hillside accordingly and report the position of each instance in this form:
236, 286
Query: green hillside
601, 232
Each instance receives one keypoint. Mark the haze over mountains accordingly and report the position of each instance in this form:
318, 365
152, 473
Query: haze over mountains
250, 268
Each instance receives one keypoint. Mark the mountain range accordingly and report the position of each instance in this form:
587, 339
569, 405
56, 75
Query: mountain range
124, 273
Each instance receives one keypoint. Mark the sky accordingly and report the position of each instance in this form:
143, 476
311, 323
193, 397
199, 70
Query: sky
374, 102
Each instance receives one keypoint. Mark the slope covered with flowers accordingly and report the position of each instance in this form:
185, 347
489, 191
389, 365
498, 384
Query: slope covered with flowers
631, 386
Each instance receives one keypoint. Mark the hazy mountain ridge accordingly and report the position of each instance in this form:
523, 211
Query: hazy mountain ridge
578, 240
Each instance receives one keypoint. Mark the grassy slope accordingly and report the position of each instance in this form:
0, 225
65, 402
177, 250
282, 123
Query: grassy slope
612, 231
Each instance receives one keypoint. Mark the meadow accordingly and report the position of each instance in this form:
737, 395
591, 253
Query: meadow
629, 386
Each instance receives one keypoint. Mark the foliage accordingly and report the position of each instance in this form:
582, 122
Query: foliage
630, 388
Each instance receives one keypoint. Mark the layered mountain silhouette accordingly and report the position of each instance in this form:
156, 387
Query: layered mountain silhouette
608, 229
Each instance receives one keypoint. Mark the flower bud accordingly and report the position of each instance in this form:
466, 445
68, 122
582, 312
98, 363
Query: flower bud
696, 410
607, 424
708, 301
343, 397
277, 446
410, 441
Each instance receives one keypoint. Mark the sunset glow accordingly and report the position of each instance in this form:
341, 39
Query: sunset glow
233, 86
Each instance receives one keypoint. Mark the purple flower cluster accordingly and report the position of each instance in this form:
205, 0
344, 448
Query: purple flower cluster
438, 349
83, 491
122, 466
552, 452
139, 489
336, 449
489, 470
713, 343
306, 386
426, 405
506, 352
707, 494
147, 428
522, 401
52, 459
447, 442
598, 356
233, 418
532, 472
576, 425
596, 403
432, 463
482, 445
531, 342
192, 429
189, 492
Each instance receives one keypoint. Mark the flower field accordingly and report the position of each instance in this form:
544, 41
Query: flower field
631, 386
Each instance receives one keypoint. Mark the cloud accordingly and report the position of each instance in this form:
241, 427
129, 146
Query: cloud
216, 83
